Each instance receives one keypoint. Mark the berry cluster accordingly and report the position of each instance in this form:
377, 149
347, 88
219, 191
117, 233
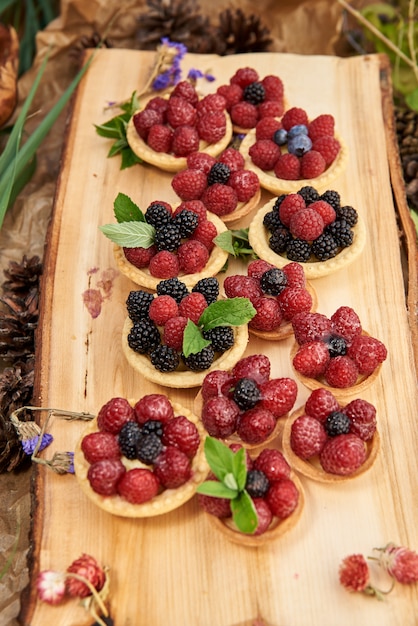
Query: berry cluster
178, 124
334, 435
268, 483
249, 98
335, 349
220, 183
308, 226
140, 450
294, 148
276, 294
245, 401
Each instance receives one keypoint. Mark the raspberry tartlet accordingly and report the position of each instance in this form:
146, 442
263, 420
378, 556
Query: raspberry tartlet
331, 442
169, 128
298, 153
310, 228
141, 458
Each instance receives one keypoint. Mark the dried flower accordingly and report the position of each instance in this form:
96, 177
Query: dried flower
51, 586
171, 54
400, 562
29, 445
354, 576
194, 74
87, 569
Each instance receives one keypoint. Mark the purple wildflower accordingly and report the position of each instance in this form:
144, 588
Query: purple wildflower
194, 74
29, 445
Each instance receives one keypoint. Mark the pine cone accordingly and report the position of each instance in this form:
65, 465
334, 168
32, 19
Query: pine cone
239, 33
76, 52
407, 135
21, 276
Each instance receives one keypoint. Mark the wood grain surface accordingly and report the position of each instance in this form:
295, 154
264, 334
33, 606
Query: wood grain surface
175, 569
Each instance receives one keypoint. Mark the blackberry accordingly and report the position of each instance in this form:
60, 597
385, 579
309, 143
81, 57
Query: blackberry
246, 393
337, 346
164, 358
219, 173
280, 239
324, 247
222, 337
158, 215
187, 222
209, 287
153, 426
278, 201
144, 336
337, 423
148, 448
273, 281
333, 198
128, 439
257, 484
172, 287
347, 213
138, 304
168, 237
341, 232
200, 361
254, 93
298, 250
272, 220
309, 194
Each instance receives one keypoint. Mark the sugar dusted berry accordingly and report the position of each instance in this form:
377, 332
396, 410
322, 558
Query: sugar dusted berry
138, 485
273, 464
362, 415
311, 359
367, 353
104, 476
114, 414
256, 425
307, 436
154, 406
282, 497
172, 468
343, 454
278, 395
100, 445
320, 404
183, 434
220, 416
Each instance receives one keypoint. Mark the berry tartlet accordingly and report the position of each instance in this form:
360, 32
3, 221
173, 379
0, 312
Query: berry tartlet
169, 128
293, 152
335, 353
331, 442
245, 405
141, 458
175, 336
313, 229
277, 294
225, 187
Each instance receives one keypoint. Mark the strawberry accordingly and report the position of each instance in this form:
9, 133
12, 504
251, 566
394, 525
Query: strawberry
113, 415
367, 353
341, 372
192, 256
164, 265
220, 416
154, 406
104, 476
307, 436
264, 515
183, 434
311, 359
273, 464
172, 468
362, 416
255, 425
138, 485
87, 567
343, 454
100, 445
256, 366
282, 497
321, 403
278, 395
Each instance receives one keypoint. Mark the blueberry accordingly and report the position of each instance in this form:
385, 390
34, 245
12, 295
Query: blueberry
299, 144
280, 137
298, 129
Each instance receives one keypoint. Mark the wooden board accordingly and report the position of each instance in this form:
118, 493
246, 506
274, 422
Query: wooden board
175, 569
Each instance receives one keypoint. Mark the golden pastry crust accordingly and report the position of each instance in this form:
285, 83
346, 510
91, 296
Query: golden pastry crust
258, 237
269, 181
169, 162
142, 277
312, 468
184, 379
242, 209
167, 500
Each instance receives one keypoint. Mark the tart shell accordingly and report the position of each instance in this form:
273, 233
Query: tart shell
242, 209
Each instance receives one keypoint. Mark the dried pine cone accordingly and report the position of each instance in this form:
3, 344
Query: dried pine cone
76, 52
407, 135
239, 33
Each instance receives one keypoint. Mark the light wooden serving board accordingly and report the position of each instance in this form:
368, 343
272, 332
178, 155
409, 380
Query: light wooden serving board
175, 569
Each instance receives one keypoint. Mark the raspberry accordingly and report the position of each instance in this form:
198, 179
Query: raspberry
219, 507
113, 415
295, 275
244, 76
244, 114
160, 138
362, 415
312, 164
212, 103
328, 148
282, 497
144, 120
220, 416
185, 140
266, 128
164, 264
162, 308
264, 516
154, 406
245, 183
172, 468
192, 306
294, 300
216, 383
255, 366
367, 353
100, 445
346, 322
264, 154
278, 395
104, 476
140, 257
273, 87
320, 404
173, 332
242, 286
255, 425
196, 206
212, 127
192, 256
294, 117
320, 126
233, 159
291, 204
200, 161
341, 372
311, 359
183, 434
343, 454
306, 224
87, 567
311, 327
325, 210
273, 464
189, 184
158, 104
256, 268
287, 167
231, 93
185, 89
270, 108
220, 199
268, 315
205, 233
180, 112
138, 485
307, 436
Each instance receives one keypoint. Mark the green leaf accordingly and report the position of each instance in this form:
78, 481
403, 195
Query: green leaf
230, 482
130, 234
217, 490
220, 457
240, 468
126, 210
412, 100
225, 241
235, 242
193, 340
230, 312
244, 513
129, 158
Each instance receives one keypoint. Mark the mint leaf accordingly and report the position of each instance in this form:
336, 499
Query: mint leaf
129, 158
126, 210
225, 241
240, 468
219, 457
244, 513
230, 482
217, 490
236, 242
193, 340
130, 234
230, 312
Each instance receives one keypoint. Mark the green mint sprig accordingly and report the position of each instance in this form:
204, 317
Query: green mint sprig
230, 468
131, 230
236, 243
